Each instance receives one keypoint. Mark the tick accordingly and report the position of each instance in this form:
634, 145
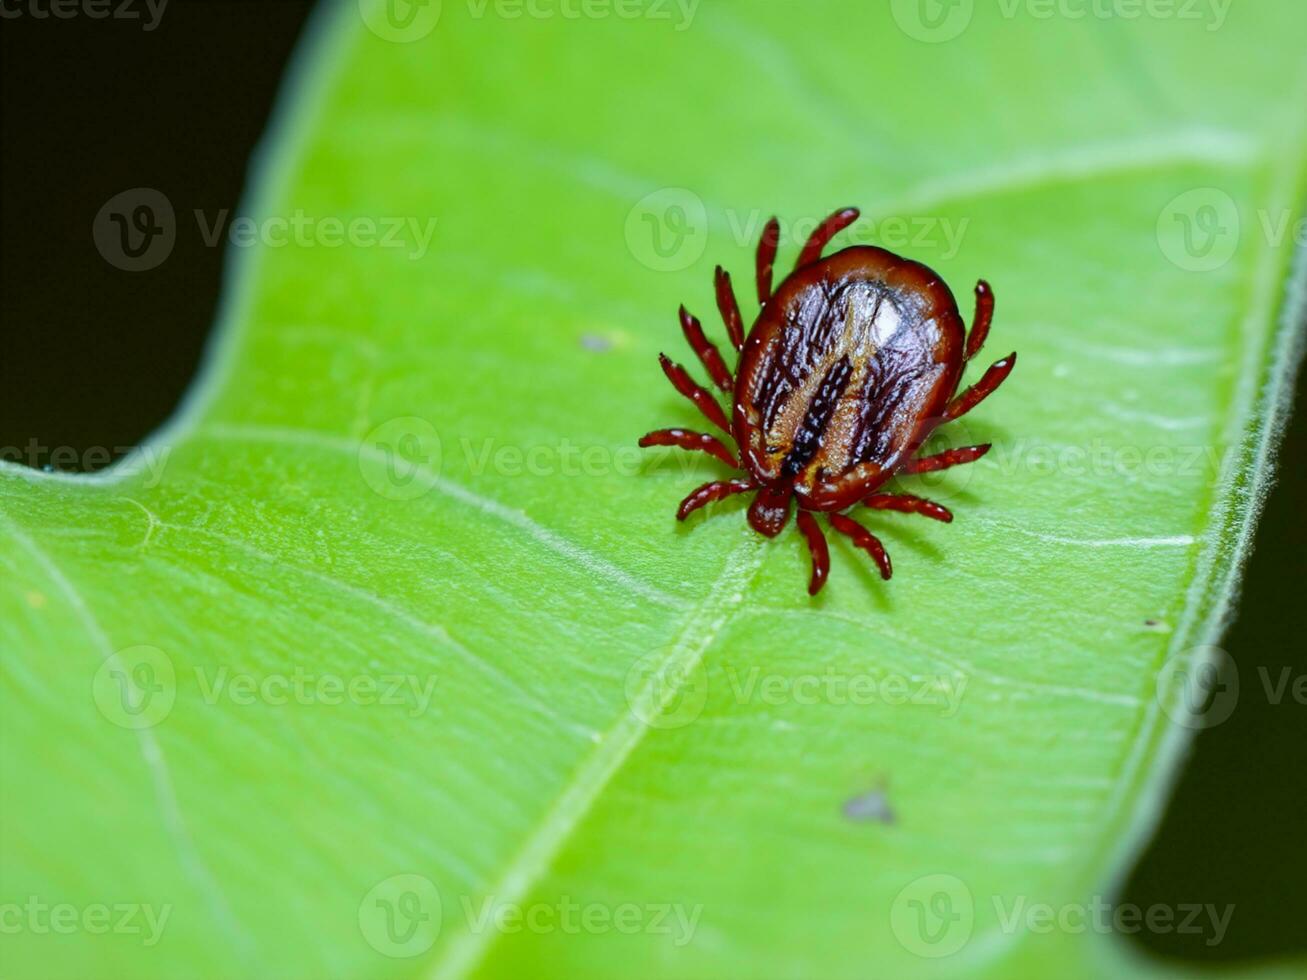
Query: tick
854, 360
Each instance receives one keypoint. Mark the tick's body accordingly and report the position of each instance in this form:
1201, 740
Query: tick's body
854, 360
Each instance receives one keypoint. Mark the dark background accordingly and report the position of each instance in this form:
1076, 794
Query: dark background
91, 356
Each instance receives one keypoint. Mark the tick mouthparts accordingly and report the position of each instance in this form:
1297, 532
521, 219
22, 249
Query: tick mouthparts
770, 510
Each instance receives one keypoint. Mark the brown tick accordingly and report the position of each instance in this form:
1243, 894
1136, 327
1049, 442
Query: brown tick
854, 360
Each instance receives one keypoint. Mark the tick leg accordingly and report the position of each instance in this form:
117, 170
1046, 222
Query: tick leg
767, 245
710, 492
697, 441
942, 461
978, 392
906, 503
981, 321
827, 230
730, 308
820, 553
683, 383
865, 540
709, 356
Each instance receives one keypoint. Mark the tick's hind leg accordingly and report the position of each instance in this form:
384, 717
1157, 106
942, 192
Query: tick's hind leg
709, 492
817, 546
906, 503
865, 540
825, 231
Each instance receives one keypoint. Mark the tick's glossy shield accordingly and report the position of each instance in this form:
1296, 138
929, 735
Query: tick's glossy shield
842, 376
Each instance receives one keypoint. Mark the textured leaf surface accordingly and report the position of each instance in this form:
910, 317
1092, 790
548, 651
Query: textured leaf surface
524, 579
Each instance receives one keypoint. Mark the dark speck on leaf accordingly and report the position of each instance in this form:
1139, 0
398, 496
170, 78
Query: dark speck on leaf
870, 807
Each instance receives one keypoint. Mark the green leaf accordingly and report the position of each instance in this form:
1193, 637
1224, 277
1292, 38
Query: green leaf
415, 465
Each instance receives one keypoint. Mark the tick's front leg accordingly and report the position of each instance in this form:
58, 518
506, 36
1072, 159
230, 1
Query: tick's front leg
682, 382
907, 503
729, 307
982, 389
767, 245
981, 321
827, 230
709, 356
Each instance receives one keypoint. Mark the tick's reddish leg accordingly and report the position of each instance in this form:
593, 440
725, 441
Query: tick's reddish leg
865, 540
906, 503
708, 493
730, 308
710, 357
767, 245
981, 321
820, 553
702, 399
942, 461
827, 230
982, 389
684, 439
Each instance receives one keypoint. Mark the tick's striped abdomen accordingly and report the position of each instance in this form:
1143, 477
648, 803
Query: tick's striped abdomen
840, 370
